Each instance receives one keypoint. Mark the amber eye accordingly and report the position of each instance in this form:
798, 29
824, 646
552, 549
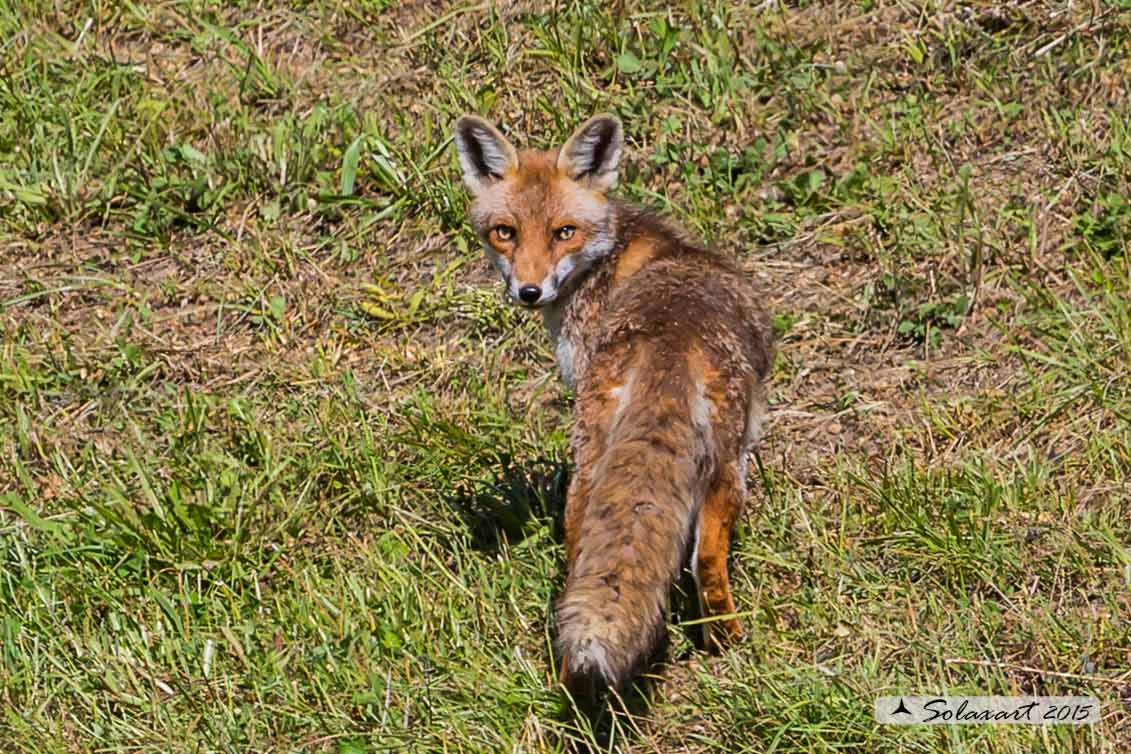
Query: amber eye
565, 232
504, 232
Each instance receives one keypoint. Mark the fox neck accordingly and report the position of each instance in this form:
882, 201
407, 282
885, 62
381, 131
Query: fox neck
561, 323
575, 310
553, 317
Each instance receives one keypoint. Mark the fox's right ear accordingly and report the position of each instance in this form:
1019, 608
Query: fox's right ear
484, 153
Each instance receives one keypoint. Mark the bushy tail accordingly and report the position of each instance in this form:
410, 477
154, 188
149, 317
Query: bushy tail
633, 536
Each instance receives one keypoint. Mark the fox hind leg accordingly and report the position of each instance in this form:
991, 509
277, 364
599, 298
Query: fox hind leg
720, 509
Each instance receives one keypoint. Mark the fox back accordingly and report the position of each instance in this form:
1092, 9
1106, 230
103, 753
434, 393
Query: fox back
667, 346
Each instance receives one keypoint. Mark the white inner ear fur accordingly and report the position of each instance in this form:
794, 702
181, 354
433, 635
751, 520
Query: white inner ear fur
593, 152
484, 154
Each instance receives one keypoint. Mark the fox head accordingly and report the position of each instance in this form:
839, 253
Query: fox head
544, 217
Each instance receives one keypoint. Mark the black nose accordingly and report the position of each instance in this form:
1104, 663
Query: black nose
528, 294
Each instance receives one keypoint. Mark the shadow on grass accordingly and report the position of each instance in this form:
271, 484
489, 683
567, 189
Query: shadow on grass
611, 720
516, 501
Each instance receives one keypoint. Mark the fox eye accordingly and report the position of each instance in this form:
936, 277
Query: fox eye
565, 232
504, 232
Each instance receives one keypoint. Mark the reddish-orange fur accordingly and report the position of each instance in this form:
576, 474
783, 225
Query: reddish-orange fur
668, 347
635, 255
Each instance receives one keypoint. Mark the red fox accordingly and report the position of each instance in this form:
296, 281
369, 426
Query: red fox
667, 346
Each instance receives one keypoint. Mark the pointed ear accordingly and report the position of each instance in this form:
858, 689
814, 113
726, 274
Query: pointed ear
484, 153
592, 154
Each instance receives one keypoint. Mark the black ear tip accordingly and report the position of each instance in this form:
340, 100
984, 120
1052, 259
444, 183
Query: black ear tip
464, 123
608, 122
468, 125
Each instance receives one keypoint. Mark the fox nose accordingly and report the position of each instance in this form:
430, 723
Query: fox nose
528, 294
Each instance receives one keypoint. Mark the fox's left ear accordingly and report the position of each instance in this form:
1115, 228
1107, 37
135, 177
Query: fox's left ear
592, 154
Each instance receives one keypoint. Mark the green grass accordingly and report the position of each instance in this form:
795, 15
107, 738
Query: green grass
281, 471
